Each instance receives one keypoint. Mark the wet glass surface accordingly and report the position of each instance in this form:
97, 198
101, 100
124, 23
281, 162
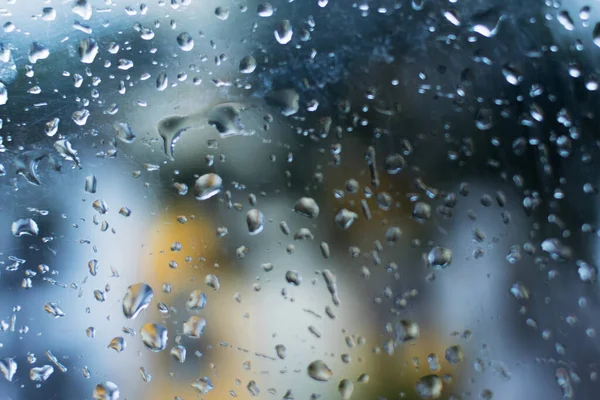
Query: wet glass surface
385, 199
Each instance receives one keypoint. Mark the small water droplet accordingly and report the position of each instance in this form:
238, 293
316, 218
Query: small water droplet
307, 206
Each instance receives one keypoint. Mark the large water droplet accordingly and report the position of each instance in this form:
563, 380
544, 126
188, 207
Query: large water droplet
37, 52
283, 32
281, 351
207, 186
287, 100
194, 326
124, 132
196, 301
264, 10
407, 330
345, 218
25, 226
82, 8
3, 94
346, 388
255, 221
54, 310
247, 65
307, 206
137, 298
185, 41
203, 385
319, 371
439, 257
8, 367
88, 50
154, 337
429, 387
106, 391
40, 374
118, 344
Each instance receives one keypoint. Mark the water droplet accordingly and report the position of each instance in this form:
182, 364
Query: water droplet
54, 310
484, 119
25, 226
253, 388
439, 257
255, 221
179, 353
293, 277
563, 378
454, 354
80, 117
283, 32
512, 74
346, 388
287, 100
194, 326
429, 387
520, 291
247, 65
203, 385
486, 23
118, 344
100, 206
407, 330
8, 367
207, 186
162, 81
264, 10
319, 371
91, 184
51, 127
37, 52
137, 298
421, 211
185, 41
40, 374
281, 351
3, 94
48, 14
345, 218
565, 20
307, 206
394, 163
222, 13
83, 9
124, 132
196, 301
88, 50
106, 391
212, 281
154, 337
452, 17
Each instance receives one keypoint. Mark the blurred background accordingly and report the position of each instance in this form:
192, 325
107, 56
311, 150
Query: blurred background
450, 147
